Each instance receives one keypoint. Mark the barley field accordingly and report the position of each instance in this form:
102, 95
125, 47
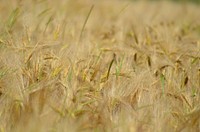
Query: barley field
99, 65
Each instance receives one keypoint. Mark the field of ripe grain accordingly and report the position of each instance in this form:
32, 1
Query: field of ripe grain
113, 66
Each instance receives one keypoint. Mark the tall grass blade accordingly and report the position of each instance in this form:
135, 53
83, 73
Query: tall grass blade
86, 20
48, 22
12, 18
162, 79
111, 63
44, 12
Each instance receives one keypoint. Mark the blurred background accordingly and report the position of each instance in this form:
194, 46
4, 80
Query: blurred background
193, 1
187, 1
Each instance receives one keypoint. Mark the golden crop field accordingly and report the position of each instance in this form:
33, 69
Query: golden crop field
99, 65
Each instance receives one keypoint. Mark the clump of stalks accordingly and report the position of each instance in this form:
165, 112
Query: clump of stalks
99, 66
